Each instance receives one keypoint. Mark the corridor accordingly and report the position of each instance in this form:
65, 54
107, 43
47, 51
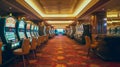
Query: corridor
61, 51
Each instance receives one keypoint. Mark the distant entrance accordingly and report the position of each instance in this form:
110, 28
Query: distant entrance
59, 31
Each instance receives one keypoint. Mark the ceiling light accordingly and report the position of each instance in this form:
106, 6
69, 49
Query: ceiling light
60, 22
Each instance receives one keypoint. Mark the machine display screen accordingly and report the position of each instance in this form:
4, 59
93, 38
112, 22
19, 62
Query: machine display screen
10, 22
22, 35
32, 30
28, 34
35, 29
32, 27
10, 36
21, 24
21, 29
28, 26
10, 29
44, 30
28, 30
80, 29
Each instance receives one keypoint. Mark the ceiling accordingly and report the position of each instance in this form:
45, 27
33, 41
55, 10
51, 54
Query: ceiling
58, 9
112, 5
113, 11
59, 24
50, 10
112, 8
58, 6
11, 6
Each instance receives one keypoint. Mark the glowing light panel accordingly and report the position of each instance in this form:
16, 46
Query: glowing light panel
75, 13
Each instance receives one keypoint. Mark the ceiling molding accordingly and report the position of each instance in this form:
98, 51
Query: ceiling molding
96, 7
37, 10
24, 4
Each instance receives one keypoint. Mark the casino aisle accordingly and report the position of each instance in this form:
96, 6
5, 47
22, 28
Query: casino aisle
64, 52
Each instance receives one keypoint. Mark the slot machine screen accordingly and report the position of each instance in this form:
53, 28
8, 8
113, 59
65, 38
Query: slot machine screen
80, 29
10, 29
32, 30
35, 29
28, 30
44, 30
21, 29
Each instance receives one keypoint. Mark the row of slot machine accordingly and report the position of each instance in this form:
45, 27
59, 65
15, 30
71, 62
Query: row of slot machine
70, 31
12, 33
79, 31
51, 32
113, 30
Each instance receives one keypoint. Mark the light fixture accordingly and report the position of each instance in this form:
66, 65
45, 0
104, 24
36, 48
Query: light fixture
112, 14
59, 22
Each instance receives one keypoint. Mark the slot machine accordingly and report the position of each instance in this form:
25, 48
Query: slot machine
53, 32
20, 26
113, 30
8, 32
36, 29
82, 31
27, 31
8, 37
108, 30
50, 31
32, 30
44, 30
118, 30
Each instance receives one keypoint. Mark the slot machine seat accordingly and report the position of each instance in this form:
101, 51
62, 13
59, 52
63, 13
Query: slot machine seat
34, 45
47, 37
24, 50
89, 45
39, 41
94, 37
43, 39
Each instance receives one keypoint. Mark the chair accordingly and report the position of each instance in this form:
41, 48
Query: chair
33, 46
24, 50
0, 53
89, 45
43, 39
93, 37
39, 41
47, 37
94, 41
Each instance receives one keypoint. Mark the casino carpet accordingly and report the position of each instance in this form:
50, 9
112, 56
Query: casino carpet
61, 51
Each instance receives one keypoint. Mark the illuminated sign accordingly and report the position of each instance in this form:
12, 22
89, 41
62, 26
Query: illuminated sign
28, 26
21, 24
10, 22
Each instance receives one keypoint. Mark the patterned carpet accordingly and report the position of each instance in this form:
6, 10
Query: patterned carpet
64, 52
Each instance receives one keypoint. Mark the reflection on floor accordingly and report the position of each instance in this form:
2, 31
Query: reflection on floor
64, 52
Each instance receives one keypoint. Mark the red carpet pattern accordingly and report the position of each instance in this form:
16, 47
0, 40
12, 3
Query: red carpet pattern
64, 52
